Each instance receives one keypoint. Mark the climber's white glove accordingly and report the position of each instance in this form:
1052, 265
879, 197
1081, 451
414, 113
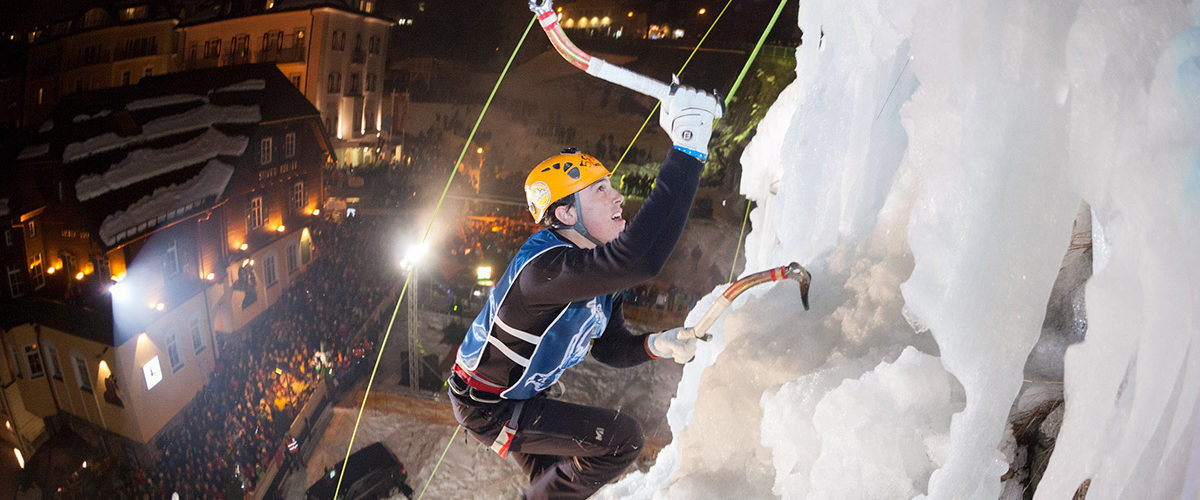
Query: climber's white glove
676, 343
687, 115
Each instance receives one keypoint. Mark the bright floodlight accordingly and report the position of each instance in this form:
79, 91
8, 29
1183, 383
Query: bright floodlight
119, 292
483, 273
415, 254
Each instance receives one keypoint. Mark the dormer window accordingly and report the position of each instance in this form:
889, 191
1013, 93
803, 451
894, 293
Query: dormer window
131, 13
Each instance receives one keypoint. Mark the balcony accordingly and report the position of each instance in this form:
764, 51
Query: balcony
88, 59
237, 57
202, 62
288, 55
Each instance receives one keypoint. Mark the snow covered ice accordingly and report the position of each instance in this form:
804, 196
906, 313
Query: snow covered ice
926, 166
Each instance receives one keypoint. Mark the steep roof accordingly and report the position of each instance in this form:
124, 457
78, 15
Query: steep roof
137, 157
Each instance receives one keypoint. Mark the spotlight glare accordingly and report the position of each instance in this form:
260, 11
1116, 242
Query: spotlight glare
50, 270
119, 292
281, 228
210, 277
316, 211
243, 247
79, 275
159, 306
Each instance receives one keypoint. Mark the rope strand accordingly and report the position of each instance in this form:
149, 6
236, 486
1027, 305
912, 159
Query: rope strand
425, 238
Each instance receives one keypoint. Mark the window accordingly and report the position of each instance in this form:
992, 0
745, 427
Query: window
239, 45
269, 270
354, 87
373, 45
55, 369
298, 196
335, 82
370, 123
338, 41
33, 359
358, 42
270, 42
15, 285
9, 240
82, 377
171, 260
289, 145
32, 229
293, 258
152, 372
295, 78
41, 95
197, 338
149, 72
370, 82
35, 272
125, 78
173, 352
264, 150
254, 216
212, 49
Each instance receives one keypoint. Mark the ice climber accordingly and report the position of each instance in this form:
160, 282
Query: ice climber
559, 299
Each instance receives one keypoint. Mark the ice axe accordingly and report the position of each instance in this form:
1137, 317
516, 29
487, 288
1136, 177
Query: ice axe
791, 271
544, 9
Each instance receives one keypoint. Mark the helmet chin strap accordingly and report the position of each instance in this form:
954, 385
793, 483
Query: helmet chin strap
579, 227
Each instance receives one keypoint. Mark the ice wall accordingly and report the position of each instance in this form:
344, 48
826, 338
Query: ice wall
926, 166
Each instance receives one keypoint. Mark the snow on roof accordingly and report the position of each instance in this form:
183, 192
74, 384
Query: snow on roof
196, 118
256, 84
144, 164
34, 151
80, 118
166, 100
166, 203
47, 126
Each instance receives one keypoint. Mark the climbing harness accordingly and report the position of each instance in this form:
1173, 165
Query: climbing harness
601, 69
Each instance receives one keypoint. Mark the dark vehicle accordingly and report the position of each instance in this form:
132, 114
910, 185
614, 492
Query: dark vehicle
373, 472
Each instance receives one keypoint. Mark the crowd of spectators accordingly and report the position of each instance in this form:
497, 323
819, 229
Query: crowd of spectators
220, 445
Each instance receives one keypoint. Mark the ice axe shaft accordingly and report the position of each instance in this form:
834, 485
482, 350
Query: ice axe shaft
791, 271
544, 9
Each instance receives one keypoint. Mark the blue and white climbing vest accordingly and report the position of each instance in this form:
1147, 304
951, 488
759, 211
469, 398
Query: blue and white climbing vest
566, 341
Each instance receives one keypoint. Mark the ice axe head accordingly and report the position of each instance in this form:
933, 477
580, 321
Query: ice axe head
803, 278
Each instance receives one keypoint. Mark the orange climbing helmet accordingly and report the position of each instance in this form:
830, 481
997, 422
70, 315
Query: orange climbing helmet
558, 177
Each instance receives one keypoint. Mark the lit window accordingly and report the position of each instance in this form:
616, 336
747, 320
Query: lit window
35, 272
298, 196
152, 371
254, 216
264, 150
32, 229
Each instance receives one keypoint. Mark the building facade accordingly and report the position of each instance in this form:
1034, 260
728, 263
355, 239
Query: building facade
334, 54
147, 224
